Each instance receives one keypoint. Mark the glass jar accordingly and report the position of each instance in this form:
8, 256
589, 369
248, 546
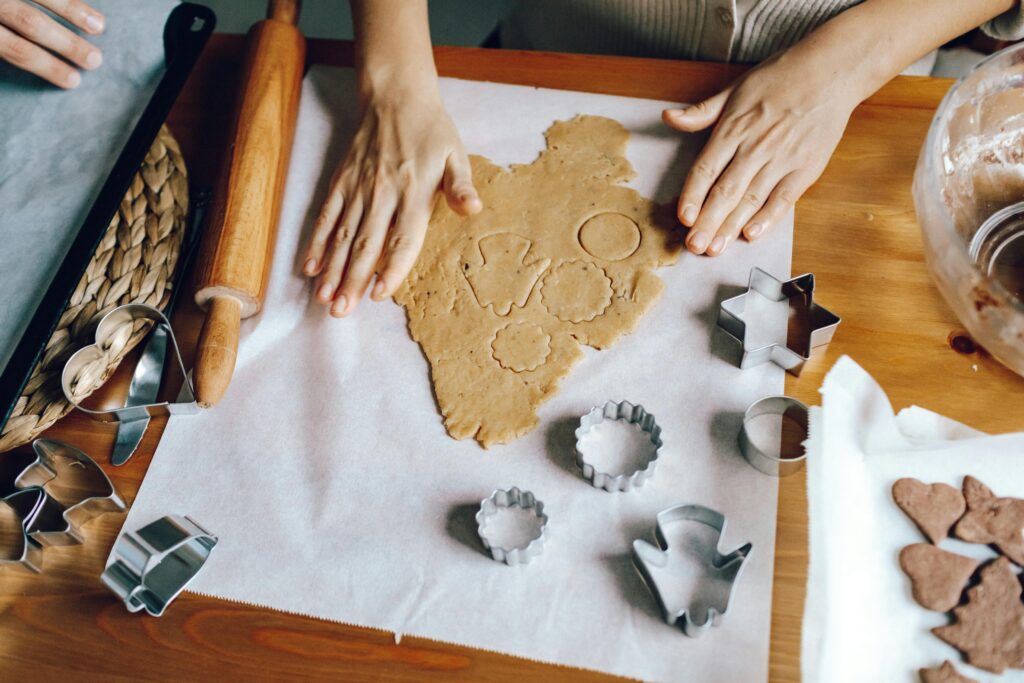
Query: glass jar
969, 196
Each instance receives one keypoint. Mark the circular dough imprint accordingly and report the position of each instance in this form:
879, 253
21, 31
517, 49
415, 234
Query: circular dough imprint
521, 347
610, 236
576, 291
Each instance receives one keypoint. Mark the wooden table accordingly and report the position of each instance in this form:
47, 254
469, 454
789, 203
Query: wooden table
855, 230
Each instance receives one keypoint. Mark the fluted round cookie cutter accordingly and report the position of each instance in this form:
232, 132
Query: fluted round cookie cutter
785, 463
492, 506
618, 411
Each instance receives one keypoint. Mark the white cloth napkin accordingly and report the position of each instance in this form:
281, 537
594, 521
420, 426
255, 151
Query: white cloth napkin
860, 622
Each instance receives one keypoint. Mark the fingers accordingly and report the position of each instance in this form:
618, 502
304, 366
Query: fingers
29, 57
42, 30
323, 229
709, 165
782, 199
338, 247
77, 13
753, 199
698, 116
732, 188
403, 245
365, 252
458, 185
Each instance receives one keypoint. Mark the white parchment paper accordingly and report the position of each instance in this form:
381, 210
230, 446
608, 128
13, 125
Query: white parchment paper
57, 148
861, 623
328, 475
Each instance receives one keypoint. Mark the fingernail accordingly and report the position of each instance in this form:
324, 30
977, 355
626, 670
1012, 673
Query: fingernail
378, 291
698, 242
717, 245
689, 214
325, 292
94, 59
94, 22
73, 79
339, 307
754, 231
310, 267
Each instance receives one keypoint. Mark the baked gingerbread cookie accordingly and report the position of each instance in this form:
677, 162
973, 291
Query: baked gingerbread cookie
937, 577
989, 629
946, 673
934, 508
993, 520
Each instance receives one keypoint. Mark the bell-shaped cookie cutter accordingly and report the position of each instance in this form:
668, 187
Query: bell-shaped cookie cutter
822, 323
785, 463
493, 506
150, 567
649, 558
622, 411
86, 359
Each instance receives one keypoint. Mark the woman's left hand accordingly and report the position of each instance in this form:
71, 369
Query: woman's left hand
774, 131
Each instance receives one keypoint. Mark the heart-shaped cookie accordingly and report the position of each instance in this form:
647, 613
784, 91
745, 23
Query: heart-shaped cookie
934, 508
990, 519
937, 577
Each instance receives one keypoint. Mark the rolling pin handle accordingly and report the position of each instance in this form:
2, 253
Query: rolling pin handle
217, 349
284, 10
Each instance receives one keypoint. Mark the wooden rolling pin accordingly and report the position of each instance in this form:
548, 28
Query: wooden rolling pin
239, 244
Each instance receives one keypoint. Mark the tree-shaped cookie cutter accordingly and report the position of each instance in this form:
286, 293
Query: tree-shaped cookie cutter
44, 520
150, 567
90, 364
822, 323
649, 559
622, 411
497, 504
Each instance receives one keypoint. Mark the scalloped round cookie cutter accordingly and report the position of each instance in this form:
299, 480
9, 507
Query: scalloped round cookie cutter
500, 503
788, 461
647, 429
148, 568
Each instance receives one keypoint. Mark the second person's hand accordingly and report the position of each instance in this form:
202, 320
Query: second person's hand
376, 212
33, 41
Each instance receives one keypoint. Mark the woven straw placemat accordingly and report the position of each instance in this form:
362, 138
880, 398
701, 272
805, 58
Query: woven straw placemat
134, 263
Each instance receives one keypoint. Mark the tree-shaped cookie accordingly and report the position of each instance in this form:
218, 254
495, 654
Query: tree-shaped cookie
562, 254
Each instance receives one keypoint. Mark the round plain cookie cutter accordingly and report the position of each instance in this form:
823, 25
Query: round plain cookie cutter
623, 411
788, 461
499, 503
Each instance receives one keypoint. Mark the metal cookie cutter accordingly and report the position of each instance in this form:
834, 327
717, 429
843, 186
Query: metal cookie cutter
50, 506
789, 460
148, 568
707, 575
821, 323
648, 432
499, 504
82, 365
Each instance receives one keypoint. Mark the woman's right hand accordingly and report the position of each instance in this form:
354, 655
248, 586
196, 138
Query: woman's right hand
378, 206
35, 42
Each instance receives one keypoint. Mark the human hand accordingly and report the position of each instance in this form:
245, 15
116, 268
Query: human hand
774, 132
376, 212
33, 41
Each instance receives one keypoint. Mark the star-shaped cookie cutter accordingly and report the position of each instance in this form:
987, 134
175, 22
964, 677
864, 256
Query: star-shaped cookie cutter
821, 322
82, 365
46, 521
649, 559
150, 567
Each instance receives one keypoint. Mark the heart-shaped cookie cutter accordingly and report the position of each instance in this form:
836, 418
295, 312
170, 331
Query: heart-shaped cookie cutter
150, 567
87, 363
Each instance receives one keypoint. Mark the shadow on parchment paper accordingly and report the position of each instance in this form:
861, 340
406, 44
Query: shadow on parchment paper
671, 182
560, 443
460, 523
630, 584
720, 344
725, 430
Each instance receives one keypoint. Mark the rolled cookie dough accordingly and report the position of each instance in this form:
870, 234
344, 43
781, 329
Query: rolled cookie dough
561, 255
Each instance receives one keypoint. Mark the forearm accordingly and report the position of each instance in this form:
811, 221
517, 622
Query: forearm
877, 39
392, 45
